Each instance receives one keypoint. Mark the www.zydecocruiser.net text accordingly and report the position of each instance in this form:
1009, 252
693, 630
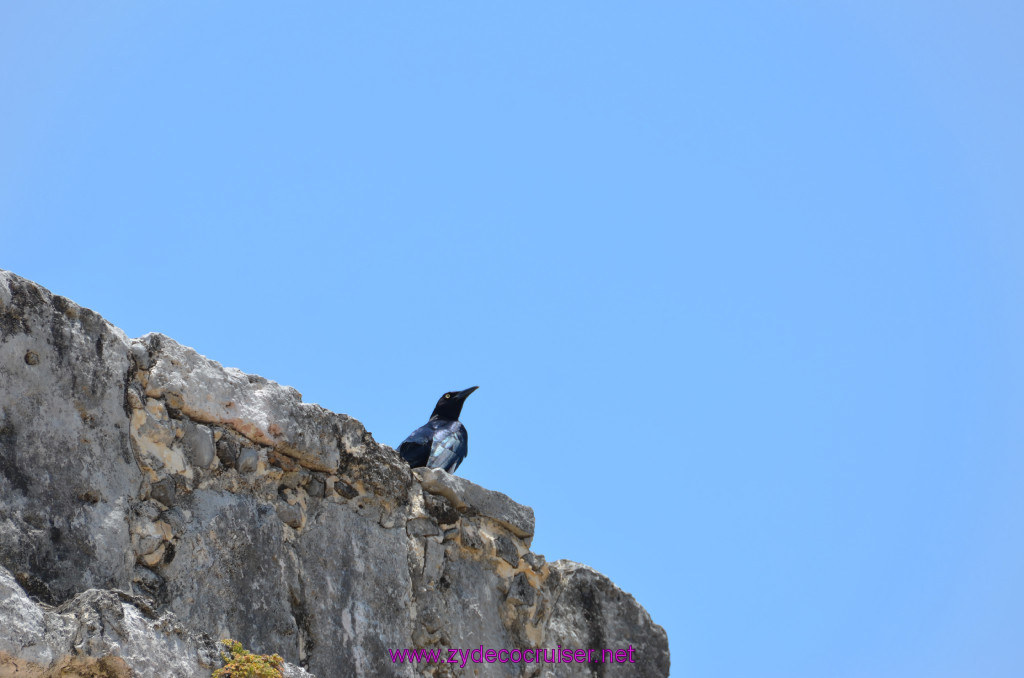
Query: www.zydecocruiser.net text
479, 655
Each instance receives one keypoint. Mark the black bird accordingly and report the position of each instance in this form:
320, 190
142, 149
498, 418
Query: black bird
443, 442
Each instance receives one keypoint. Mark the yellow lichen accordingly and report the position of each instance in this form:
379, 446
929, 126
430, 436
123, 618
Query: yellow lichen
241, 663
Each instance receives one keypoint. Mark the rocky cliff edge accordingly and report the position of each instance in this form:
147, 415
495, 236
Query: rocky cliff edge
152, 501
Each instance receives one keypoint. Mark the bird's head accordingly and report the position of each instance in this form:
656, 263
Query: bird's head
449, 406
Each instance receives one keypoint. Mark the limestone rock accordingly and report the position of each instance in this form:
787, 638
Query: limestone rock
152, 500
465, 495
589, 611
67, 469
99, 634
261, 410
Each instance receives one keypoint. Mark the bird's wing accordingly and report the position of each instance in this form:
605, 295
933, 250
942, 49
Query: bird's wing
451, 445
416, 448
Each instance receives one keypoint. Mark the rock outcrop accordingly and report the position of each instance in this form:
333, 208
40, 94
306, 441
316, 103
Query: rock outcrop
152, 500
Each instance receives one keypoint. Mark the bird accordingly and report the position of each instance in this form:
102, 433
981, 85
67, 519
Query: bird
443, 442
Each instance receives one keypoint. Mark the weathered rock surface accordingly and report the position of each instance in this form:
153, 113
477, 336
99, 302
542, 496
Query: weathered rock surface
161, 500
101, 634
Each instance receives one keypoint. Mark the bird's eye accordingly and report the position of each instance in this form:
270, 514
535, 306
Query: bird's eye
447, 395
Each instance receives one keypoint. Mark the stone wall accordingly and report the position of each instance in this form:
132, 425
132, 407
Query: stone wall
138, 473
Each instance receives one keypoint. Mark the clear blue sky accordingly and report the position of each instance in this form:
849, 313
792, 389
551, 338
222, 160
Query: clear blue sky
740, 282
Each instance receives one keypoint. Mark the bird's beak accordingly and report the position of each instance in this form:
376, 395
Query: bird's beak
465, 394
